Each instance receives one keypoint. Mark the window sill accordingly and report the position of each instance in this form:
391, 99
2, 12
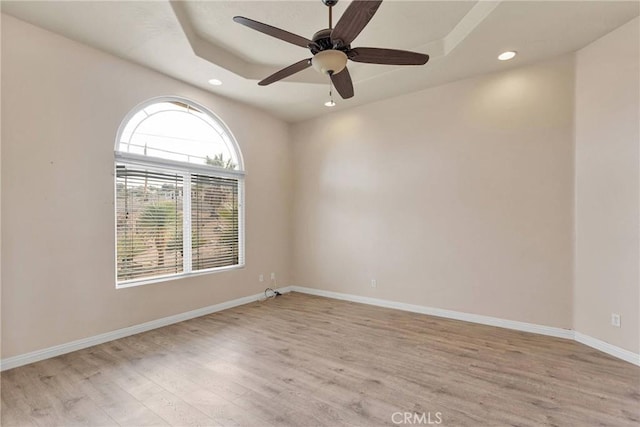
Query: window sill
160, 279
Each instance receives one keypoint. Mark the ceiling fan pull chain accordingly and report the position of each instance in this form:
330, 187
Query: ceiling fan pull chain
330, 102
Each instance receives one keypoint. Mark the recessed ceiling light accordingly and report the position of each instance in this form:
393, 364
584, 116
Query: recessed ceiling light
215, 82
330, 103
505, 56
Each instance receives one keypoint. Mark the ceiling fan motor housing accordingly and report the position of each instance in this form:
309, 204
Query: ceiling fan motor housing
322, 41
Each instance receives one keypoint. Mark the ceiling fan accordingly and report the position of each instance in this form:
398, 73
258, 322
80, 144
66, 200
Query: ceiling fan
331, 47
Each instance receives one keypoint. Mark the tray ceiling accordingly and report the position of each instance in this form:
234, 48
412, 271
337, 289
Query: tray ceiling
197, 41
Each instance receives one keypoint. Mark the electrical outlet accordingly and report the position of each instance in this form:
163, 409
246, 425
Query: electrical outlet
273, 276
261, 277
374, 283
615, 320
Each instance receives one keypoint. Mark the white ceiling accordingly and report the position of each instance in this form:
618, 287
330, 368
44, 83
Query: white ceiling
196, 41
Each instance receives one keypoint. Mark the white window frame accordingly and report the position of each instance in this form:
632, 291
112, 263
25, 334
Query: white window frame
186, 170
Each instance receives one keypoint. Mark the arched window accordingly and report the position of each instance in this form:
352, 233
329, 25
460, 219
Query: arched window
179, 194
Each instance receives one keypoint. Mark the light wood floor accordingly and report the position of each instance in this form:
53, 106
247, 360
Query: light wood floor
303, 361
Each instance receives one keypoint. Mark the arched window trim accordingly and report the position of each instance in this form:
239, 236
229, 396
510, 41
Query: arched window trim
137, 157
163, 165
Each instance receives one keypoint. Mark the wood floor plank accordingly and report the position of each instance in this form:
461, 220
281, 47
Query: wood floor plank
52, 397
301, 360
121, 406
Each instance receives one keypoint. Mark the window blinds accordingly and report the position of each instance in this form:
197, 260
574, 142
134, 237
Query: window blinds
149, 223
153, 215
214, 222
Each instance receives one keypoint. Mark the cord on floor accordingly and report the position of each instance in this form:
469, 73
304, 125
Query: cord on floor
270, 293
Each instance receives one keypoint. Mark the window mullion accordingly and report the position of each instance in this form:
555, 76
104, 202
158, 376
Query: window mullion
240, 205
186, 223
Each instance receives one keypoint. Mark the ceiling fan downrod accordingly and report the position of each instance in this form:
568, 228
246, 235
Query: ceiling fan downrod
330, 4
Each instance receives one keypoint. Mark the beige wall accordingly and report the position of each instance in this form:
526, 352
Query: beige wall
607, 120
457, 197
62, 103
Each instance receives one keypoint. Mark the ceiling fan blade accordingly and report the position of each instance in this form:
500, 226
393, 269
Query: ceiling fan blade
273, 31
353, 20
342, 82
286, 72
373, 55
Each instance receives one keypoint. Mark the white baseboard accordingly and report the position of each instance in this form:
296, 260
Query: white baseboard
35, 356
449, 314
620, 353
610, 349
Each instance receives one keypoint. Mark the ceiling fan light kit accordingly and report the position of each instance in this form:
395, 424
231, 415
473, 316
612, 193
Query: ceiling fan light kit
331, 47
329, 61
